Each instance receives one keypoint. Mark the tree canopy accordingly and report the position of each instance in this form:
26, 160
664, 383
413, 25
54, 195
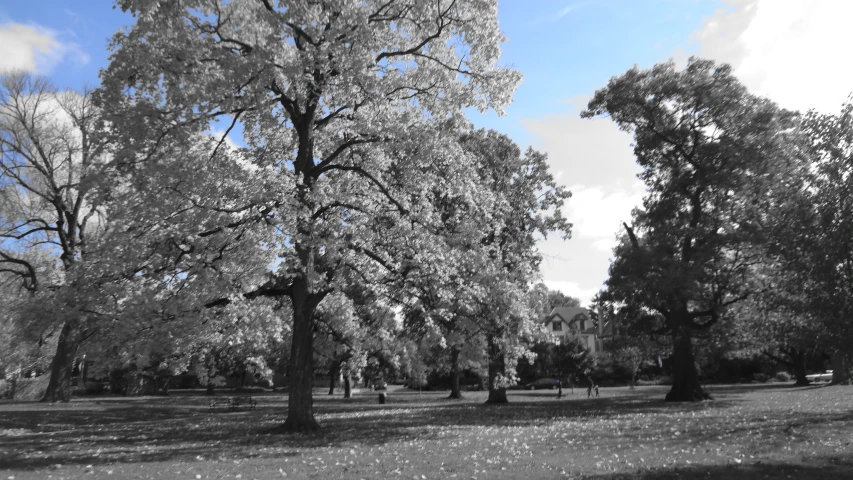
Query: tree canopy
710, 153
338, 104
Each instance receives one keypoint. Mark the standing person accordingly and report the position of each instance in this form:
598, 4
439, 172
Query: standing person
596, 391
589, 389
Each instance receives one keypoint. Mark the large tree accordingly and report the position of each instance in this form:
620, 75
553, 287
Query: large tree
816, 246
50, 159
710, 153
527, 206
779, 322
439, 298
334, 99
554, 298
359, 333
488, 235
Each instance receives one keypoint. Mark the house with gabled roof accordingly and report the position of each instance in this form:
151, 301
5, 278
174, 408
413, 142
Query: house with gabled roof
579, 321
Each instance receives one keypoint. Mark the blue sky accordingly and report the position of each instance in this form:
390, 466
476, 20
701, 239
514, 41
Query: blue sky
785, 49
569, 49
564, 49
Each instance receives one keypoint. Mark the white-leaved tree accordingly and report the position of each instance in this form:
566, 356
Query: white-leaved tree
527, 206
489, 237
50, 160
336, 101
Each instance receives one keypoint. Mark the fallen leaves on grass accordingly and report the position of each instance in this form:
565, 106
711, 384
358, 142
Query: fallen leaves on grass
628, 433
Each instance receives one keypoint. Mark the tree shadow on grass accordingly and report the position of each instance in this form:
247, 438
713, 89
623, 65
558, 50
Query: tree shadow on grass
114, 431
820, 468
743, 388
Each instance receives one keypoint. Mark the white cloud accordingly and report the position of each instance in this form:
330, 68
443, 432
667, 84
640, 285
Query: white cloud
565, 11
586, 152
791, 51
597, 215
595, 160
579, 266
217, 134
229, 143
560, 14
36, 48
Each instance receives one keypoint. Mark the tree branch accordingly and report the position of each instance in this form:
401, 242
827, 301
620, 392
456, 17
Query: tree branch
631, 235
403, 210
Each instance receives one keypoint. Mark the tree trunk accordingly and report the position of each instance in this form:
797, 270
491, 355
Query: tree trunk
455, 391
347, 386
334, 371
799, 363
685, 378
300, 401
62, 365
84, 373
497, 394
840, 373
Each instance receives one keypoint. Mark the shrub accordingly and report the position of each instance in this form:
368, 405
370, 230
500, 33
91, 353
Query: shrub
761, 377
783, 377
604, 369
249, 390
118, 382
96, 388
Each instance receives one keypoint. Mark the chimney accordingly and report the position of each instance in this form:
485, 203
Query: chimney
600, 321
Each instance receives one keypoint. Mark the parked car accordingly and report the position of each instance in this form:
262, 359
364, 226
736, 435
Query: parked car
820, 377
542, 383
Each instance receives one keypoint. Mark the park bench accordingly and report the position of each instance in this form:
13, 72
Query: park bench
233, 403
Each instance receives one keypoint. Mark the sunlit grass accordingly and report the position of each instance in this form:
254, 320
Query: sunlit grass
750, 431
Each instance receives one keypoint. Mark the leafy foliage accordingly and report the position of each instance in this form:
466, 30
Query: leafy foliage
710, 152
51, 161
339, 104
631, 353
815, 249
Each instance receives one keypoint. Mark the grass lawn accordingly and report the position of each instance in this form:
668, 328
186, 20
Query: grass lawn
749, 431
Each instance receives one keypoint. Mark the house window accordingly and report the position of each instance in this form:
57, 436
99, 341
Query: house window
581, 319
557, 326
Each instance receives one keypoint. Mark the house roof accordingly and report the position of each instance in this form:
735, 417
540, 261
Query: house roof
567, 314
570, 315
